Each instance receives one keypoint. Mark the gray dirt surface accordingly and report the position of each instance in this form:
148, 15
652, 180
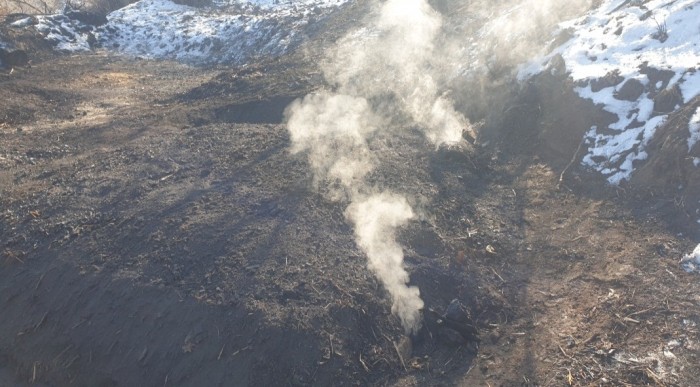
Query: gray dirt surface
156, 230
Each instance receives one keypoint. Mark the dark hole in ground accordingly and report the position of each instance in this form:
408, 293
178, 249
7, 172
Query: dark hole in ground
269, 111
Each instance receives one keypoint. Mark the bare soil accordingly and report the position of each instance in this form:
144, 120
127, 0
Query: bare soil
155, 230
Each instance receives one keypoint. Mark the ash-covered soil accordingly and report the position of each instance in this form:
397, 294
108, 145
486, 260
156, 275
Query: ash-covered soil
156, 230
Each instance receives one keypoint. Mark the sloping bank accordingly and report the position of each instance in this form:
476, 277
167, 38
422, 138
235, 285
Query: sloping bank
618, 99
226, 32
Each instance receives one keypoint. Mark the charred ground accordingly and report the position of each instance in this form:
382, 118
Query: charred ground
156, 230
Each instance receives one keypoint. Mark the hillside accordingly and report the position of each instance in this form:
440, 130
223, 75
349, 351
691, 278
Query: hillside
351, 193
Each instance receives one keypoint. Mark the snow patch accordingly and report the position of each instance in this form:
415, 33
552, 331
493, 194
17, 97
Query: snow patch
620, 36
694, 129
66, 34
691, 262
286, 4
690, 82
230, 31
21, 23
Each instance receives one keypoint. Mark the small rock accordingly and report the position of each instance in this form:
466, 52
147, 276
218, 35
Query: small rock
458, 319
557, 66
610, 79
456, 312
667, 100
631, 90
657, 75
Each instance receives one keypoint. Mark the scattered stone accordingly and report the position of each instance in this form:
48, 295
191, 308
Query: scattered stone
458, 319
557, 66
563, 37
631, 90
655, 76
456, 312
610, 79
667, 100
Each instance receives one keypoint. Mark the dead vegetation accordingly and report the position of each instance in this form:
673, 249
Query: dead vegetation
152, 233
14, 8
35, 7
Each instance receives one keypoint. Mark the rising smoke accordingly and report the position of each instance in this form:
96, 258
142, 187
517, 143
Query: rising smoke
390, 61
396, 70
396, 58
491, 38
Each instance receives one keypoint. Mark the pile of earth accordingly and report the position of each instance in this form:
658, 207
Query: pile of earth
156, 230
219, 33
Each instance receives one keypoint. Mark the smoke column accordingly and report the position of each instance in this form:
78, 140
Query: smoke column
390, 75
389, 62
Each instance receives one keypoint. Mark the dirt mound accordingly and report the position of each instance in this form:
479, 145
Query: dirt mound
21, 47
670, 178
156, 230
212, 221
546, 117
543, 116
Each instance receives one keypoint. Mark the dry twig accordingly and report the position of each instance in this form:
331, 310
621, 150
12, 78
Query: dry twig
41, 322
398, 352
573, 159
364, 365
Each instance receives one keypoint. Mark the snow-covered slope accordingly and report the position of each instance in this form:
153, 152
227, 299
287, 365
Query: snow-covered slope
691, 262
284, 5
64, 33
230, 31
639, 59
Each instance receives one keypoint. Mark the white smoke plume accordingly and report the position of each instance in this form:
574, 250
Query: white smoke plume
390, 63
376, 219
334, 128
397, 57
392, 74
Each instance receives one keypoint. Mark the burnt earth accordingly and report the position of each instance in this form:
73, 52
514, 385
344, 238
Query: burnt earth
156, 230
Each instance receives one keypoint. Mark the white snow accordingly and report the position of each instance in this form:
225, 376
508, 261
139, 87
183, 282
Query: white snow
286, 4
618, 36
691, 262
230, 31
690, 86
694, 129
64, 33
621, 36
27, 21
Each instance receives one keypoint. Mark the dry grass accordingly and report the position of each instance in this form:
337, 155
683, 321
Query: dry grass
34, 7
39, 7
